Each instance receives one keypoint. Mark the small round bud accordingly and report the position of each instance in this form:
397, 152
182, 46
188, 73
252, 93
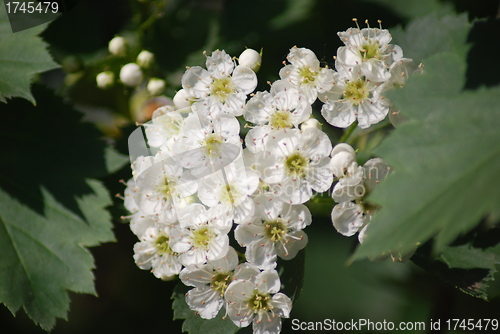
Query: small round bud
131, 75
250, 58
118, 46
310, 123
105, 79
145, 59
156, 86
182, 99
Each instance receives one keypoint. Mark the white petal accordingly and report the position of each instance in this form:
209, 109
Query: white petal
246, 271
291, 245
297, 217
347, 218
205, 301
375, 171
282, 305
196, 81
267, 324
244, 79
220, 64
345, 193
371, 112
247, 233
197, 276
256, 138
262, 254
268, 281
227, 263
338, 114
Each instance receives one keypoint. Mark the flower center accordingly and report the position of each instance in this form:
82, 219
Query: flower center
296, 165
220, 282
280, 120
356, 91
162, 246
212, 143
259, 302
202, 237
369, 51
222, 87
275, 230
164, 188
307, 75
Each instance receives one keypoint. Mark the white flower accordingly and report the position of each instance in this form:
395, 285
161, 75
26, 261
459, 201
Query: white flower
258, 303
353, 97
351, 217
221, 87
250, 58
211, 281
283, 108
369, 49
154, 252
230, 188
165, 127
156, 86
105, 79
298, 160
145, 59
305, 73
118, 46
344, 166
161, 186
131, 75
268, 236
202, 235
207, 146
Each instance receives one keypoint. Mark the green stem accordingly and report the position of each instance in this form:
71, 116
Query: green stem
150, 20
348, 132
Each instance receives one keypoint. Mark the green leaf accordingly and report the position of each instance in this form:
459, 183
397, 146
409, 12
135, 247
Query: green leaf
414, 8
22, 55
468, 265
446, 158
193, 323
50, 205
429, 35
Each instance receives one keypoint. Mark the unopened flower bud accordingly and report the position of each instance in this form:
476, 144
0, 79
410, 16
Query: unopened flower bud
181, 99
145, 59
131, 75
310, 123
156, 86
118, 46
105, 79
343, 156
250, 58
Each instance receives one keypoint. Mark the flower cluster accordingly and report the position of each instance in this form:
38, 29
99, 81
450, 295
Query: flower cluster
195, 179
366, 67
